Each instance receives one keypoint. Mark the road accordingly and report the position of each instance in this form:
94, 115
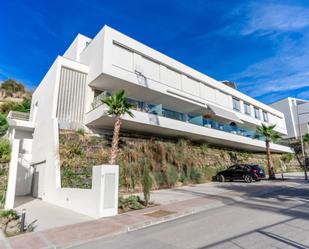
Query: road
275, 220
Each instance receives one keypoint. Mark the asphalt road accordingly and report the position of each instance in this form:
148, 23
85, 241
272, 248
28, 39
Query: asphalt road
276, 220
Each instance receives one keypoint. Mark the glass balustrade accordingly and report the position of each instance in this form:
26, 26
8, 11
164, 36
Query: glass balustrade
193, 119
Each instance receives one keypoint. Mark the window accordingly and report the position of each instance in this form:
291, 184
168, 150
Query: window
256, 113
247, 109
236, 104
265, 116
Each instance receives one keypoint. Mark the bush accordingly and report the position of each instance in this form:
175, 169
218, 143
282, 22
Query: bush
160, 179
80, 131
209, 173
183, 177
5, 150
195, 175
146, 183
286, 157
3, 125
131, 202
171, 175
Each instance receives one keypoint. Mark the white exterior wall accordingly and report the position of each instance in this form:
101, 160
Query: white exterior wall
289, 108
77, 46
97, 202
163, 74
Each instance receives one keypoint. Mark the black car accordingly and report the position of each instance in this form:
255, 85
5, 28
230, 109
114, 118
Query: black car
246, 172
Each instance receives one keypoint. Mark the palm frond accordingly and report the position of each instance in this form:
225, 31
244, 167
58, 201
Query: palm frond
117, 104
268, 132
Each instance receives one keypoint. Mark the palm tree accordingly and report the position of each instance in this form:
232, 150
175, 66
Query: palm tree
117, 105
269, 135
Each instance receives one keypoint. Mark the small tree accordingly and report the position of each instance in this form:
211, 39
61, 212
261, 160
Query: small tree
269, 135
3, 125
117, 105
146, 183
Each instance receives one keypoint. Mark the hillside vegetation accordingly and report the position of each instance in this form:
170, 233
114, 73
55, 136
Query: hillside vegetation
14, 97
171, 163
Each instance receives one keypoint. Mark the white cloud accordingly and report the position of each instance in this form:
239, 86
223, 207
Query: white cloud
275, 17
288, 68
264, 19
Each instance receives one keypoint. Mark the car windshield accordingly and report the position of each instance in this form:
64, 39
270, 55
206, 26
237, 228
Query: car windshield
257, 167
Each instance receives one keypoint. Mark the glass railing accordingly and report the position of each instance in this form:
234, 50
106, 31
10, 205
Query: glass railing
189, 118
97, 99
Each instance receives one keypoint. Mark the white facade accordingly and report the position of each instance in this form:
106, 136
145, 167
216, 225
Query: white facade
296, 113
170, 98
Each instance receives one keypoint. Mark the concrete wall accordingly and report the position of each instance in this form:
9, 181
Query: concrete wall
101, 200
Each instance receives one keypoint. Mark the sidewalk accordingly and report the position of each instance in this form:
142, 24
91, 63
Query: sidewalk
175, 203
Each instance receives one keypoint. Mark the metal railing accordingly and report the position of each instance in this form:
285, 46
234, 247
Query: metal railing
97, 99
24, 116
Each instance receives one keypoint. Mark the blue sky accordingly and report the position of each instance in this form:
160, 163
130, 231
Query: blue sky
261, 45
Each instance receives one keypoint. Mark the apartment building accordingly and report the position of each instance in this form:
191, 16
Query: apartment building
296, 112
170, 100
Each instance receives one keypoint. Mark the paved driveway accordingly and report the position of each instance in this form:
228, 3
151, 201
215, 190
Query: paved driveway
47, 215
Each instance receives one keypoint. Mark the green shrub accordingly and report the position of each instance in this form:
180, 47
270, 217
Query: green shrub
76, 177
131, 202
9, 214
171, 175
195, 175
74, 149
4, 125
160, 179
286, 157
80, 131
146, 183
183, 177
209, 172
5, 150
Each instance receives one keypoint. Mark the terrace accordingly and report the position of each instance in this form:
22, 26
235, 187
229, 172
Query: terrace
200, 120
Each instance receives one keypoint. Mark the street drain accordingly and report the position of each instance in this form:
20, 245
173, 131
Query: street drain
159, 213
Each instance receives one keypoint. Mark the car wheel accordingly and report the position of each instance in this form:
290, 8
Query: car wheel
248, 178
221, 178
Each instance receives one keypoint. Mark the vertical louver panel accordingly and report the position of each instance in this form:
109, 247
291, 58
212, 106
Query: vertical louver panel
71, 97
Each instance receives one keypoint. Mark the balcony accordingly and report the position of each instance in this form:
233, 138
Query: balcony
20, 120
23, 116
158, 109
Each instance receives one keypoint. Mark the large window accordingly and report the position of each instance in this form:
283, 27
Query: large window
256, 112
236, 104
265, 116
247, 108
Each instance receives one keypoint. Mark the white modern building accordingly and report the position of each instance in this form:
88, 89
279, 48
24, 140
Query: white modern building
170, 99
296, 113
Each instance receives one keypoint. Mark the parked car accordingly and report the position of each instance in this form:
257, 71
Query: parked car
246, 172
